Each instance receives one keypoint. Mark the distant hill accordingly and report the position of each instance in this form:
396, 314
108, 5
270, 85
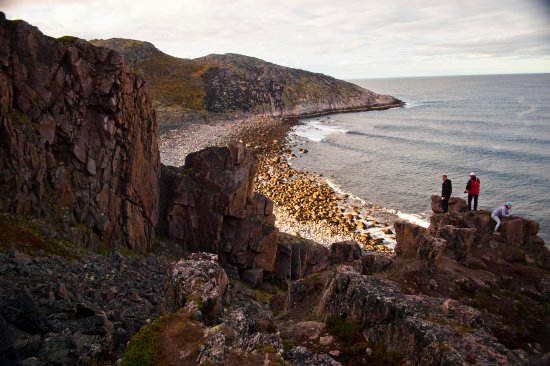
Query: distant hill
235, 83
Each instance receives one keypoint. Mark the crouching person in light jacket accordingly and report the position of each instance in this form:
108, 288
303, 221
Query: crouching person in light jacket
499, 213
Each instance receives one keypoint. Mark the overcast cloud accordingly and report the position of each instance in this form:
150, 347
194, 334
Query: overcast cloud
343, 38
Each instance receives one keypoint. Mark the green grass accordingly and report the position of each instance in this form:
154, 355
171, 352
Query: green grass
343, 330
30, 236
288, 345
144, 348
11, 23
67, 39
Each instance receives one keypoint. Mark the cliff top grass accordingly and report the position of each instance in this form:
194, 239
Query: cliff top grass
172, 81
67, 39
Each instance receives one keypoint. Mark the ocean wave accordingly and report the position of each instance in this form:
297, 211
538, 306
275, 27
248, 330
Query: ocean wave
413, 104
413, 218
316, 131
339, 190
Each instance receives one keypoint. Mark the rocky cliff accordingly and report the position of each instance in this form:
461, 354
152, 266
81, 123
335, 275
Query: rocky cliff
236, 83
77, 138
211, 207
240, 83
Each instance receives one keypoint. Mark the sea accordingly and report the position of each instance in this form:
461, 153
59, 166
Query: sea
497, 126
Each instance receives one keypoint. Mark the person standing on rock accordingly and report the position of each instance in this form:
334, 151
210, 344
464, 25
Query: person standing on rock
500, 213
472, 188
446, 190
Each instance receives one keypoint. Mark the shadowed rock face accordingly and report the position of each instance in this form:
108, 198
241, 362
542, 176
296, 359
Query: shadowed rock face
77, 135
211, 206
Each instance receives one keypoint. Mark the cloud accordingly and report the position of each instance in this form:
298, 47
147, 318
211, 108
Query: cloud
346, 38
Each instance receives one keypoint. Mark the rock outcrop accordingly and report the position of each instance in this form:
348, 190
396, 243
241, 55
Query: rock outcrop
77, 138
233, 83
211, 207
504, 275
201, 332
199, 279
456, 204
428, 331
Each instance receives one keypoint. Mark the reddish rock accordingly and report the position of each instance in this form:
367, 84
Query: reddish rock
211, 206
532, 227
78, 131
198, 282
458, 241
344, 252
408, 237
513, 229
413, 325
455, 204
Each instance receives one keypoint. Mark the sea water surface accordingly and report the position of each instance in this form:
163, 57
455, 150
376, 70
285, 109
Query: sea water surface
497, 126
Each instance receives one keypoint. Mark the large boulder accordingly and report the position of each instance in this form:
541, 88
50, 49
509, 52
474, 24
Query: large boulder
455, 204
344, 252
428, 331
408, 237
211, 207
199, 282
78, 135
298, 257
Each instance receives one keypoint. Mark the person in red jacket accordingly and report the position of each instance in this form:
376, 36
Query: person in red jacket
472, 188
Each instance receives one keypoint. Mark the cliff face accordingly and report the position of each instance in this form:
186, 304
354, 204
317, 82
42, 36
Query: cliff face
211, 207
240, 83
236, 83
77, 136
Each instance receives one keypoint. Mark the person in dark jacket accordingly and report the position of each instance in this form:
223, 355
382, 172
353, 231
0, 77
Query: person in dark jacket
446, 190
472, 188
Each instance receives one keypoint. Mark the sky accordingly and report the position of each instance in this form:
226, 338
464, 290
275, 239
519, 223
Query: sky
347, 39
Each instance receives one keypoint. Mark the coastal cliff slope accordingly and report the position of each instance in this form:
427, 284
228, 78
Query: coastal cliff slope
233, 83
78, 140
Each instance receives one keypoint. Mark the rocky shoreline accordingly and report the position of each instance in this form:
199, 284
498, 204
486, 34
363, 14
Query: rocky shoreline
98, 240
305, 204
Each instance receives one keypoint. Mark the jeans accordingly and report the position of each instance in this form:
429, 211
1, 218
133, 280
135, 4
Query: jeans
497, 219
445, 204
470, 196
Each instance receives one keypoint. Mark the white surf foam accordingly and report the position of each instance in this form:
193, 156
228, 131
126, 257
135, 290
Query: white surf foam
414, 219
413, 104
316, 131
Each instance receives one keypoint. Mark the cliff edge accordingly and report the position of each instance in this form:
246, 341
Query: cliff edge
78, 138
